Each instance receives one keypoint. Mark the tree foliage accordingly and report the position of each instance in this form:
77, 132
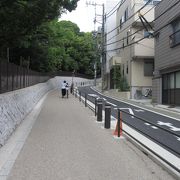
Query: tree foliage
30, 30
19, 18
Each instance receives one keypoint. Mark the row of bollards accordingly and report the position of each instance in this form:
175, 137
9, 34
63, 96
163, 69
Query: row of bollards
99, 110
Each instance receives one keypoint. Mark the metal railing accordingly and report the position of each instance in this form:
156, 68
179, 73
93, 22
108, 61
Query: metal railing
123, 118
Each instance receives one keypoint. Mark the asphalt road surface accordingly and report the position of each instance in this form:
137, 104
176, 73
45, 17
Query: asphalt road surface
161, 129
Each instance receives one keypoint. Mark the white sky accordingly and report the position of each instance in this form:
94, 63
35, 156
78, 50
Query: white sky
84, 15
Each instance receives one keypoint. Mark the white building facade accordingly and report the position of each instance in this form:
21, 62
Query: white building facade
134, 47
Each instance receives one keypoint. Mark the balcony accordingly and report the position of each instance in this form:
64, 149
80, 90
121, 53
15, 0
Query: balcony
174, 39
143, 49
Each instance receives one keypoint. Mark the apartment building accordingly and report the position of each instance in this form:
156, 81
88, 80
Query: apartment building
166, 81
136, 59
110, 23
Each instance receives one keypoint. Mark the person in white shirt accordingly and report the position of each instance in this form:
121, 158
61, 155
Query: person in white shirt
67, 89
63, 88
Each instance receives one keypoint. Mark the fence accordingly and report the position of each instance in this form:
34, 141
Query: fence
125, 118
13, 77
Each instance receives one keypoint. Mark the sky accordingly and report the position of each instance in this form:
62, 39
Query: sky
84, 15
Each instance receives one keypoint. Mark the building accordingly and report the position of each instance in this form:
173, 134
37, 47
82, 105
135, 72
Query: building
136, 59
166, 81
110, 23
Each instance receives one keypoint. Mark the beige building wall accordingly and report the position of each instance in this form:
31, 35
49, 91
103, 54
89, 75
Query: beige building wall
132, 56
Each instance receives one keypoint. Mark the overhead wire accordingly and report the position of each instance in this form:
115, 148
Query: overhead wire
129, 27
146, 37
131, 16
120, 4
114, 8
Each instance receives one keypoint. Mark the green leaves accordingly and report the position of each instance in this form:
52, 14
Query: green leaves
30, 29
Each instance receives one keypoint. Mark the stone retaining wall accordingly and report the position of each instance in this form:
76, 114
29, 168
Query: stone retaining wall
16, 105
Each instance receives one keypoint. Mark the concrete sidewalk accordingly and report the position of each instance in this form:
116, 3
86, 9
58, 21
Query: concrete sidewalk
66, 143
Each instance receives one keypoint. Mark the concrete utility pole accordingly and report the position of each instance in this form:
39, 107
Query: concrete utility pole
102, 38
103, 49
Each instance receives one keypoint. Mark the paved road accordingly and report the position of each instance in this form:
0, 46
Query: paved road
66, 143
169, 140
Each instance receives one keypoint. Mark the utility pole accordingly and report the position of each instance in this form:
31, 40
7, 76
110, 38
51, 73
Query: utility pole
103, 50
102, 39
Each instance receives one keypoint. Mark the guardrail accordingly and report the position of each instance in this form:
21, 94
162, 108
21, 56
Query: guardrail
97, 108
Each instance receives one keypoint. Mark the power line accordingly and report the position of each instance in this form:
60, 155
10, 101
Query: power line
113, 8
121, 3
143, 28
131, 16
154, 32
128, 27
126, 45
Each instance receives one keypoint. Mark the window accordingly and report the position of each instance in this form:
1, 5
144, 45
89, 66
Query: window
175, 37
127, 70
127, 37
154, 2
178, 79
120, 25
122, 19
148, 67
126, 15
123, 69
171, 81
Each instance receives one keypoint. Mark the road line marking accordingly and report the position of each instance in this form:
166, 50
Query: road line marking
138, 110
170, 125
112, 104
137, 106
130, 111
154, 127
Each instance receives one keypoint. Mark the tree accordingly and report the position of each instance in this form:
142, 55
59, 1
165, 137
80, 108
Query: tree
20, 18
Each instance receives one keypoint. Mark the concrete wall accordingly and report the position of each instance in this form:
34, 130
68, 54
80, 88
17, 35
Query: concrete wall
15, 105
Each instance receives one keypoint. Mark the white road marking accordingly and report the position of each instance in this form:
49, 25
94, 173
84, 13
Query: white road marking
170, 125
178, 119
93, 95
112, 104
130, 111
154, 127
138, 110
178, 138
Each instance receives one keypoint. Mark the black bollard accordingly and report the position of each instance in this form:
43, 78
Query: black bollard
85, 100
79, 96
107, 123
99, 110
95, 107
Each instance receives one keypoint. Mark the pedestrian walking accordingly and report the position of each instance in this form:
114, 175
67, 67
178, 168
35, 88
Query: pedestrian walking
67, 89
63, 88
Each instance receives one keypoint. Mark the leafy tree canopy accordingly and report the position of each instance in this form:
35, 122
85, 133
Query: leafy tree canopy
19, 18
31, 30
